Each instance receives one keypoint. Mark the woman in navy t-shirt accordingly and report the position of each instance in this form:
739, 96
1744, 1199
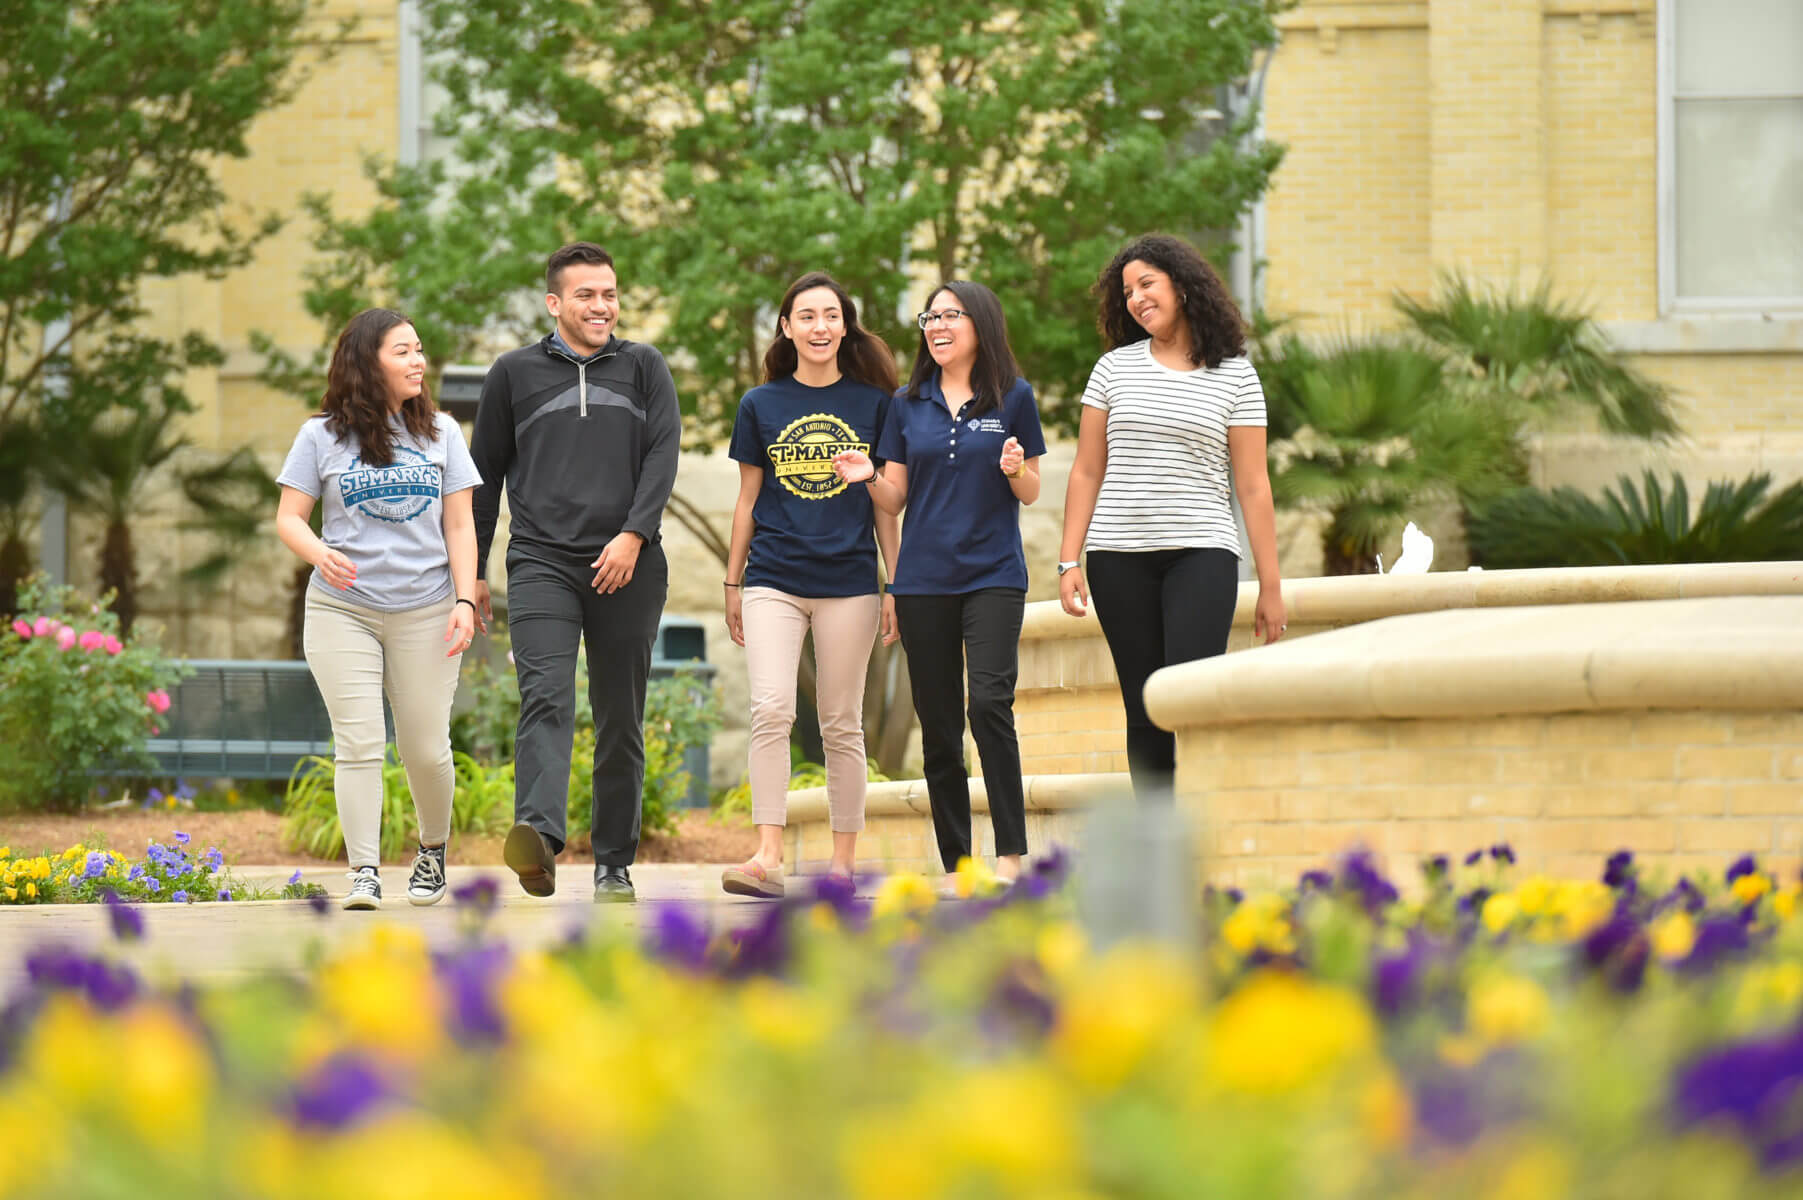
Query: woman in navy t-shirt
961, 447
803, 557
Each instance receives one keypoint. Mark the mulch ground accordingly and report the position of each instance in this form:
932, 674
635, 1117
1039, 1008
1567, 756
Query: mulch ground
255, 837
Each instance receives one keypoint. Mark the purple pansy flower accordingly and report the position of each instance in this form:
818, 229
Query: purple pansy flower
337, 1093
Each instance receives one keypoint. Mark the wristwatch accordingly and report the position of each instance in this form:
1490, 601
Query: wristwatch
1065, 566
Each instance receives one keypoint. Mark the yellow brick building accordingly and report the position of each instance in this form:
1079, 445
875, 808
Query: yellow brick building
1644, 155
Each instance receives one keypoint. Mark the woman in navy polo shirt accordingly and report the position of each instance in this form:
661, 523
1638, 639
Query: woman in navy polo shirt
803, 559
961, 450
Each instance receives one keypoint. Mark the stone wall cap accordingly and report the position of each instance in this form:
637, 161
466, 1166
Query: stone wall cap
1351, 599
1732, 652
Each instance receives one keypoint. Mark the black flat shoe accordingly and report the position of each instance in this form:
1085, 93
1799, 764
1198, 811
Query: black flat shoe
613, 885
527, 856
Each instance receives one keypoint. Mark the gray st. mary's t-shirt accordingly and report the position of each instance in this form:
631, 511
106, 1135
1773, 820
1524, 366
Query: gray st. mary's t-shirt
389, 521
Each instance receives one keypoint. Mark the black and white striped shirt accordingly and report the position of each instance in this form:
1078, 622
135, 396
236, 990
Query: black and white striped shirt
1168, 485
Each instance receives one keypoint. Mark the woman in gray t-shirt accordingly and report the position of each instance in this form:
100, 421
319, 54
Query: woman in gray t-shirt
390, 603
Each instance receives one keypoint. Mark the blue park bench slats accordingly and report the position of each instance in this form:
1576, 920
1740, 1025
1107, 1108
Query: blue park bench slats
245, 719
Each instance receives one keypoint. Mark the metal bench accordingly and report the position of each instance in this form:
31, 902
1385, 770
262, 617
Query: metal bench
244, 719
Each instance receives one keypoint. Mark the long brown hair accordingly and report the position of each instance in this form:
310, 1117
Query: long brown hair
995, 370
1216, 330
356, 398
863, 355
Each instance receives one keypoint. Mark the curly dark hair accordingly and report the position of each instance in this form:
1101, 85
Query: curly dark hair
356, 400
863, 355
1216, 330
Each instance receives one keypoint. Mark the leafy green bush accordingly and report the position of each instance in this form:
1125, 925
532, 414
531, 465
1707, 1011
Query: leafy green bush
1736, 522
74, 697
483, 805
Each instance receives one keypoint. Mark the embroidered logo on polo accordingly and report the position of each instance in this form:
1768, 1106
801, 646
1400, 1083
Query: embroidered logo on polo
802, 455
987, 425
396, 493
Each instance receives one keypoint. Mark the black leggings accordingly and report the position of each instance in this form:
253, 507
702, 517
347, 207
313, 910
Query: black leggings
1160, 607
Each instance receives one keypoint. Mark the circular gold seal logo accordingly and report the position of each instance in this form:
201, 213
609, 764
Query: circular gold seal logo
802, 455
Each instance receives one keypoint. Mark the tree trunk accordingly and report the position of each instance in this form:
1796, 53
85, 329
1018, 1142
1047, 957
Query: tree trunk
1339, 558
15, 565
297, 611
119, 574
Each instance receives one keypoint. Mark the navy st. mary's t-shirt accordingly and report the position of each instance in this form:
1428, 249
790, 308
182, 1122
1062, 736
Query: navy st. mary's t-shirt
961, 529
815, 533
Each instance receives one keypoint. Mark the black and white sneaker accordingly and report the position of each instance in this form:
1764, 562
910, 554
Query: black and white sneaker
426, 884
366, 889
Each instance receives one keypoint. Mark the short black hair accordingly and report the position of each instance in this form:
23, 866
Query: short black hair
569, 256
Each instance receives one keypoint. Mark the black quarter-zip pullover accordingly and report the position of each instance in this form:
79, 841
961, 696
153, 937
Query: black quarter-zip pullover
587, 448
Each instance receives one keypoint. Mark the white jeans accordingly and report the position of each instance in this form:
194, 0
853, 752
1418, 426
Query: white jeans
356, 653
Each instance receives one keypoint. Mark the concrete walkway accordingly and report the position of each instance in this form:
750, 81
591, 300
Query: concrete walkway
221, 941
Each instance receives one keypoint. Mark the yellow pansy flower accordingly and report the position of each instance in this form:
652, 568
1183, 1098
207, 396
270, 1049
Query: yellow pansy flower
1117, 1013
1673, 935
903, 894
1500, 911
1749, 888
1281, 1031
1504, 1009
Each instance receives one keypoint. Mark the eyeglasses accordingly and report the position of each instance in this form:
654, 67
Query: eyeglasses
951, 316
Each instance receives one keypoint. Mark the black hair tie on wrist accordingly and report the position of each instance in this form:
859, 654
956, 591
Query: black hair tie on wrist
461, 600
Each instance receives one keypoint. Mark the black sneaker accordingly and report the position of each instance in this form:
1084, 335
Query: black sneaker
426, 884
366, 889
613, 885
527, 856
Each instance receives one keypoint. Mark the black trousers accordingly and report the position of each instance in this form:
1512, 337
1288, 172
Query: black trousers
946, 637
550, 607
1157, 608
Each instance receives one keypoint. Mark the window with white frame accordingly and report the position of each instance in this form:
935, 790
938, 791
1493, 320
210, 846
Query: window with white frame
1731, 154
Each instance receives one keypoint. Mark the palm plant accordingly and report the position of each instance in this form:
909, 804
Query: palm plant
1383, 430
1548, 354
102, 463
1735, 522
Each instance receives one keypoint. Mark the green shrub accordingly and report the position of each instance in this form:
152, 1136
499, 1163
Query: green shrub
483, 805
1735, 522
75, 698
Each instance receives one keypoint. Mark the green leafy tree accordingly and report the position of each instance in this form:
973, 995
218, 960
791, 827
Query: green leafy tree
720, 151
1379, 431
114, 116
1654, 523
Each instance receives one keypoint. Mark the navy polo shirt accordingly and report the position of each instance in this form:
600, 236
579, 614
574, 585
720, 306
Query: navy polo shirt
962, 530
815, 534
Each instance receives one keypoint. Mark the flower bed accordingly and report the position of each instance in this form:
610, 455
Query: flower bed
174, 873
1489, 1037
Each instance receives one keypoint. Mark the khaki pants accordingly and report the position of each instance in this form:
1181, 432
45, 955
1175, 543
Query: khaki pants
356, 654
844, 630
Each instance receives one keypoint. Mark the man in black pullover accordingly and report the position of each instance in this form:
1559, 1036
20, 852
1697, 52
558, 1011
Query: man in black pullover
584, 428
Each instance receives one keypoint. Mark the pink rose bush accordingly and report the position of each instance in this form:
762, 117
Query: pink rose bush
75, 699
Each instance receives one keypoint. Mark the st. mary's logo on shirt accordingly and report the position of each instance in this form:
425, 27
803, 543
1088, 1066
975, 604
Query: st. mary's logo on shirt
802, 455
398, 492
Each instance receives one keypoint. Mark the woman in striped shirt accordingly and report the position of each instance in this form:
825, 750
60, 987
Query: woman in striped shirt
1173, 423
